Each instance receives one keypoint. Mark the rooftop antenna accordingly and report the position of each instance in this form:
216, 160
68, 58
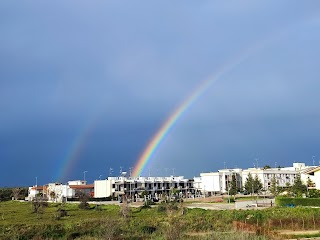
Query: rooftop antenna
275, 164
130, 171
120, 170
100, 177
313, 160
254, 166
110, 172
224, 165
173, 171
257, 162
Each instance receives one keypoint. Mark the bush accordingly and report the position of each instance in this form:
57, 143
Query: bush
148, 229
286, 202
162, 208
314, 193
84, 205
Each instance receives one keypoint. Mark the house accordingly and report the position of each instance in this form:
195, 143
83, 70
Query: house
34, 191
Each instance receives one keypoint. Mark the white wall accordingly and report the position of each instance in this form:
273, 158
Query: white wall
103, 188
316, 179
210, 182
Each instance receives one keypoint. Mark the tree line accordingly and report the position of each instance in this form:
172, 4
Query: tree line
15, 193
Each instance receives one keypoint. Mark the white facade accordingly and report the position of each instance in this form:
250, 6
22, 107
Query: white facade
217, 182
103, 188
283, 176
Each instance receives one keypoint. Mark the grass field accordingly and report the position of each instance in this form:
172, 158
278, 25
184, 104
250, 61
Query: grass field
170, 221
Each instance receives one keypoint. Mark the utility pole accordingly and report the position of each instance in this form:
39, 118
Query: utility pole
84, 175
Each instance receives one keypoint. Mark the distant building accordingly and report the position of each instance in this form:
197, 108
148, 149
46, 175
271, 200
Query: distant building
57, 192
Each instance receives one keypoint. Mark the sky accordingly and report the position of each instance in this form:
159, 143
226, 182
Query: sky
85, 85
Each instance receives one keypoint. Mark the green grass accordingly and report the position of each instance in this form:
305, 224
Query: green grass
17, 221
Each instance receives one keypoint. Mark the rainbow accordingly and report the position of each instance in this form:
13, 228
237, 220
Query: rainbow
76, 148
163, 131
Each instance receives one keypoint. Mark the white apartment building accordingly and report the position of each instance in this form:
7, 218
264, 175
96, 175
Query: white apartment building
131, 186
217, 182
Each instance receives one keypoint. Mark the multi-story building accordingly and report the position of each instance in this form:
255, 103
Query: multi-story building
134, 186
218, 182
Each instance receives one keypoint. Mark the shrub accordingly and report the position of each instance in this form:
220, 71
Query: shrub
162, 208
84, 205
314, 193
285, 202
148, 229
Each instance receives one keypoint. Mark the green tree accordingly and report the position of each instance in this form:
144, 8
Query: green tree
249, 184
310, 183
257, 184
298, 188
266, 167
273, 187
233, 190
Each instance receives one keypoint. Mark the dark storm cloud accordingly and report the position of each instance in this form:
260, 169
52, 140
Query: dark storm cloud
128, 65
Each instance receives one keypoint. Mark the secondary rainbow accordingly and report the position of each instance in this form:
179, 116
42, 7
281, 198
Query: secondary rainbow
76, 148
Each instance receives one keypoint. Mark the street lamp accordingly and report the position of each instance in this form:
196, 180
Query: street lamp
84, 175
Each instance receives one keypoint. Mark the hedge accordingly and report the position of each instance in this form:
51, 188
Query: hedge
291, 202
